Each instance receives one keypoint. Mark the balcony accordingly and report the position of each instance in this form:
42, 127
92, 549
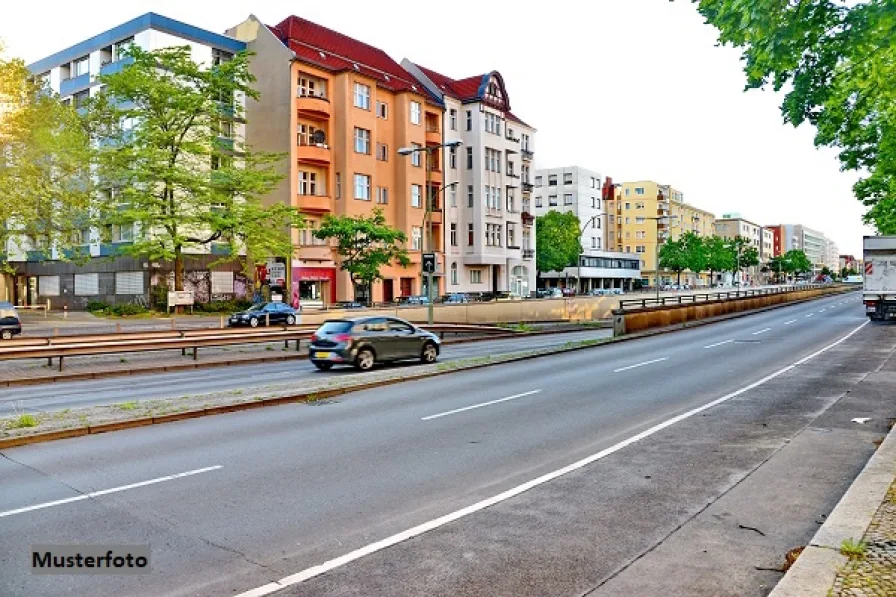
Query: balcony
312, 106
314, 203
528, 219
436, 215
527, 186
510, 137
110, 68
433, 135
70, 86
527, 155
512, 174
318, 155
316, 252
528, 254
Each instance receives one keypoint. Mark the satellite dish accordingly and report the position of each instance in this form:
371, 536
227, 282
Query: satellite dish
318, 137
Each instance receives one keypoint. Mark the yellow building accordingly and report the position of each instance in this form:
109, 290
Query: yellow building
635, 226
341, 109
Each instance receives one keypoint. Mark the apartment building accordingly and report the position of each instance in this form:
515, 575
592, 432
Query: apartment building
583, 192
785, 238
731, 225
490, 239
635, 226
832, 255
73, 74
814, 244
341, 109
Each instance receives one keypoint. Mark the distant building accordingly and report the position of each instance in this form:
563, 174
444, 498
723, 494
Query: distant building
731, 225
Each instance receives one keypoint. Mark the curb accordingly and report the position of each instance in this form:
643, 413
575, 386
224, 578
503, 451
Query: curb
816, 568
330, 393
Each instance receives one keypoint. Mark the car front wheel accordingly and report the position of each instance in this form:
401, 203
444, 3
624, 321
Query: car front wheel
365, 359
253, 322
6, 334
290, 320
429, 353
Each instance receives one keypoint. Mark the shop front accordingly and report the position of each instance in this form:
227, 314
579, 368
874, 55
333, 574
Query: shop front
314, 285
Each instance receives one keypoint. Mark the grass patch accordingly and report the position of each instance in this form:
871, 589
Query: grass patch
127, 405
23, 421
854, 550
122, 360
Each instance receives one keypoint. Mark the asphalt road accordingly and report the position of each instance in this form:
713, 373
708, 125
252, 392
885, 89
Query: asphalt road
74, 394
278, 490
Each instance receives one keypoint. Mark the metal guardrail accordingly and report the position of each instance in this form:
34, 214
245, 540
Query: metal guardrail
65, 346
686, 299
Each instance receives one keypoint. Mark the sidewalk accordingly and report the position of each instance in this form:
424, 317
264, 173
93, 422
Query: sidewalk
854, 553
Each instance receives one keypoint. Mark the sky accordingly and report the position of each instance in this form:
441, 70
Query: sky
633, 89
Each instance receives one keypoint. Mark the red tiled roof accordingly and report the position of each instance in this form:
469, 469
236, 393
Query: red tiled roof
333, 51
464, 89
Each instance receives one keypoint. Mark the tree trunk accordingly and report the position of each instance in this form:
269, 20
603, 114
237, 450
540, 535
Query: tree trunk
178, 274
679, 278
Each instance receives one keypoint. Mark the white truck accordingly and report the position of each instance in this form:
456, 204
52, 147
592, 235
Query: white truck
879, 293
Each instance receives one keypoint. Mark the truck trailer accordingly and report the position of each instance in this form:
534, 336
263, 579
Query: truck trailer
879, 294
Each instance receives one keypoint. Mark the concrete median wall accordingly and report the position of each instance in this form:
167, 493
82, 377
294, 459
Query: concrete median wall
653, 317
586, 308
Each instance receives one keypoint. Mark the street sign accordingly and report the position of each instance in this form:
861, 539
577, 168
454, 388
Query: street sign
429, 263
276, 273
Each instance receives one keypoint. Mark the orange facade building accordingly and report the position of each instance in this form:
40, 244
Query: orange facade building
341, 109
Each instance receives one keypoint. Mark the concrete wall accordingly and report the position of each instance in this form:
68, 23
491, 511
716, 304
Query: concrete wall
654, 317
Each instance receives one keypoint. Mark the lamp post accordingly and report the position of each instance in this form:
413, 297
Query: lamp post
428, 212
579, 257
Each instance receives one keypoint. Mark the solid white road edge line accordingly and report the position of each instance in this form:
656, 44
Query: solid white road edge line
93, 494
762, 331
719, 343
480, 405
309, 573
640, 365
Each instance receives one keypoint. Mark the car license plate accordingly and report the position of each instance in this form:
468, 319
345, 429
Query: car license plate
322, 355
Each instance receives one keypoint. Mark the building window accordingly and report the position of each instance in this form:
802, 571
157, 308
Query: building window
552, 200
452, 196
362, 140
382, 195
307, 183
640, 220
552, 180
452, 158
362, 187
415, 112
640, 249
639, 190
475, 276
593, 242
538, 202
469, 158
452, 117
415, 196
362, 96
493, 237
567, 178
382, 110
454, 273
382, 152
492, 160
628, 206
639, 205
469, 120
511, 235
453, 235
415, 157
567, 199
537, 181
627, 192
470, 237
81, 66
416, 238
338, 185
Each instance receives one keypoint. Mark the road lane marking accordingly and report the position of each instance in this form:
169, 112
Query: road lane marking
490, 402
823, 310
425, 527
719, 343
639, 365
762, 331
93, 494
810, 314
789, 322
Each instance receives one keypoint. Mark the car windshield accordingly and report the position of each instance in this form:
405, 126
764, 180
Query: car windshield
258, 307
334, 327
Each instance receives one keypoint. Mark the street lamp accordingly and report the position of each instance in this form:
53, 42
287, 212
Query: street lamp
428, 213
656, 251
579, 257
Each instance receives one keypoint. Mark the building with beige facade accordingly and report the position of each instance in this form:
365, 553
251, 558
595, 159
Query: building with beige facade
732, 225
341, 109
635, 226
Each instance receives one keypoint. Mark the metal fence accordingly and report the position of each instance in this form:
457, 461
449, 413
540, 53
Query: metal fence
685, 299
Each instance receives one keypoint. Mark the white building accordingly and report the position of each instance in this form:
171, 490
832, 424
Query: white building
832, 255
580, 191
73, 74
489, 240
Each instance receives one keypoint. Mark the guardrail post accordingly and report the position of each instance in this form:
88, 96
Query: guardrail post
47, 310
172, 324
117, 328
195, 353
222, 322
60, 363
267, 320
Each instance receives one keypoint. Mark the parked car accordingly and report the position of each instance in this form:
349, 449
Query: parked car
10, 324
420, 299
260, 313
364, 341
347, 305
455, 298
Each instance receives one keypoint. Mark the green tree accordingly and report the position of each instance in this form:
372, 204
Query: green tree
695, 252
366, 245
557, 242
837, 62
777, 265
673, 257
719, 256
826, 271
171, 161
796, 262
745, 254
45, 182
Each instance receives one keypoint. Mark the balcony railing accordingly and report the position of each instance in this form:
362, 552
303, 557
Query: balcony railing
528, 219
513, 175
528, 253
527, 154
527, 187
510, 137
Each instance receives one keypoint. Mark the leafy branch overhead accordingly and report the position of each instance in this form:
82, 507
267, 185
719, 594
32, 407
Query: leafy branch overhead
836, 61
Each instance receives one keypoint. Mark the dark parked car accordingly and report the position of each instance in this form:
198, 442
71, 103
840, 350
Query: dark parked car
10, 324
348, 305
456, 298
364, 341
258, 314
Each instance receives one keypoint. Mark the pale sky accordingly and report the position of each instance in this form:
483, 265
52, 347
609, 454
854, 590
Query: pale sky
633, 89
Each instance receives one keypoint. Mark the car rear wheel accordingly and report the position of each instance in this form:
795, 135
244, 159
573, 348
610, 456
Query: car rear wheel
6, 334
429, 353
365, 359
324, 366
290, 320
253, 322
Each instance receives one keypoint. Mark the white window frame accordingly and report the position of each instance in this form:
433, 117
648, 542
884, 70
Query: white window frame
362, 187
362, 96
415, 112
416, 195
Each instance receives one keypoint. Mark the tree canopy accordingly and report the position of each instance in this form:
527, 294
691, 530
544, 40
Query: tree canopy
836, 62
366, 245
557, 243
